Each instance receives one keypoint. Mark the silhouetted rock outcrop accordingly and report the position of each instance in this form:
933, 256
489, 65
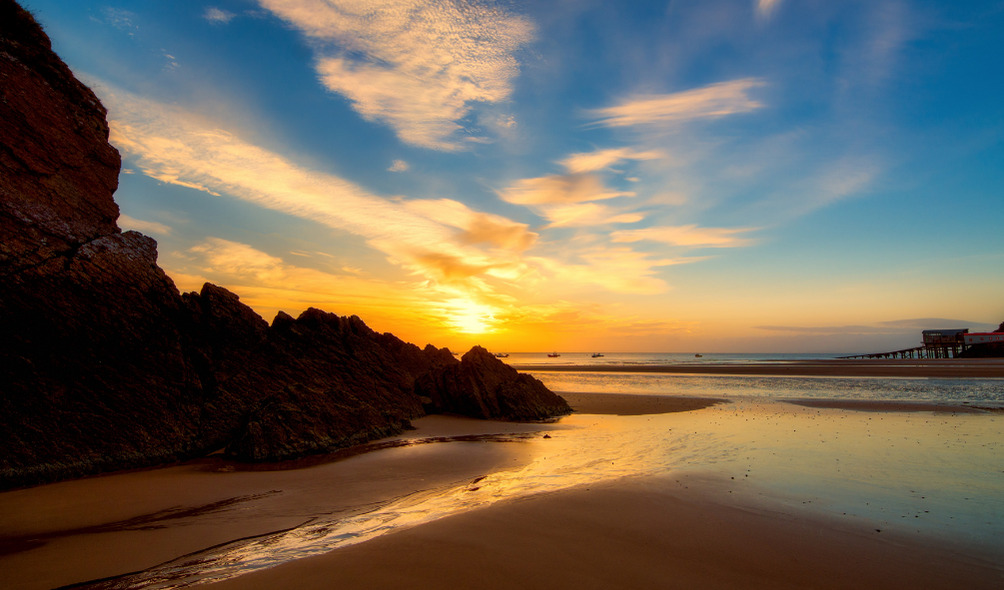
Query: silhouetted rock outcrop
485, 387
105, 365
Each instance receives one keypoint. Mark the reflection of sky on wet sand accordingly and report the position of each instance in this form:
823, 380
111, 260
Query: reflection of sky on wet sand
977, 391
914, 472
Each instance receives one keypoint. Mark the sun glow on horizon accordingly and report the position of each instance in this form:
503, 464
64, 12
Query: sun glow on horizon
470, 318
476, 174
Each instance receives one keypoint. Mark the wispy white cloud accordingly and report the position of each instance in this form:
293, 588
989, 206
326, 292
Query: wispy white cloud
171, 62
828, 183
715, 100
218, 15
398, 166
121, 19
150, 227
416, 65
690, 236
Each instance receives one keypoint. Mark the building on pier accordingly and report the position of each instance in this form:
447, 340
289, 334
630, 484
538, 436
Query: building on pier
947, 344
984, 338
944, 344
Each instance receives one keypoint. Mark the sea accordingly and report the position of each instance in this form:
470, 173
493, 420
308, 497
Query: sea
984, 392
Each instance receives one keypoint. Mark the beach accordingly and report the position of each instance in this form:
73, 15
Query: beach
630, 491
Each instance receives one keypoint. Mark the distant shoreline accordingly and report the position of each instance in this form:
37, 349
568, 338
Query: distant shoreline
949, 368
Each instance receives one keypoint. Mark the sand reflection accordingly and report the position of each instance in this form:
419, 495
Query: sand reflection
920, 473
586, 449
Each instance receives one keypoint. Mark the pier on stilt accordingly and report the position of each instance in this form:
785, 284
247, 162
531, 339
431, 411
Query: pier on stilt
938, 344
918, 352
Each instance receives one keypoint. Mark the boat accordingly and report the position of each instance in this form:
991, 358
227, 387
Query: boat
553, 354
698, 355
502, 355
597, 355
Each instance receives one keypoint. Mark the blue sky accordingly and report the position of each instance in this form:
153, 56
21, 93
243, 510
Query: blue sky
576, 175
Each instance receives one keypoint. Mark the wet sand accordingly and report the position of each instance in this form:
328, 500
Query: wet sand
649, 533
948, 368
91, 528
865, 405
690, 529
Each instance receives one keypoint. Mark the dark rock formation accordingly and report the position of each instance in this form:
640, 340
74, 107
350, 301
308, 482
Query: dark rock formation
485, 387
105, 365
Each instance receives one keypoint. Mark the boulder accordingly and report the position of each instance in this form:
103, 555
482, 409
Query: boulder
484, 387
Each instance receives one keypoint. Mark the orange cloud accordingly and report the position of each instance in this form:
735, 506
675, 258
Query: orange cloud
476, 227
487, 229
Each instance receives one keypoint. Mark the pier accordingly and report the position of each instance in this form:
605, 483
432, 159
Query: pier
938, 344
918, 352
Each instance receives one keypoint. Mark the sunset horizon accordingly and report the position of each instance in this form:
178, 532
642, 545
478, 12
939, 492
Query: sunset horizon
737, 176
497, 294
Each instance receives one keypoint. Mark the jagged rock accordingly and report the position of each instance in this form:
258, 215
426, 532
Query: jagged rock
59, 199
485, 387
105, 365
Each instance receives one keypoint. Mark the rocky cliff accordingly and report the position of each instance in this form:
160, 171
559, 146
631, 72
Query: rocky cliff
105, 365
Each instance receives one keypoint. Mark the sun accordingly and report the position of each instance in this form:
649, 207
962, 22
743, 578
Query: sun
468, 317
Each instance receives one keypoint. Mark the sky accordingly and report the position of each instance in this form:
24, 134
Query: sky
571, 175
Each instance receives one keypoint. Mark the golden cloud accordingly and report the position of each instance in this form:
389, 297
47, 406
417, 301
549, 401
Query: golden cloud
151, 227
603, 159
715, 100
560, 188
690, 236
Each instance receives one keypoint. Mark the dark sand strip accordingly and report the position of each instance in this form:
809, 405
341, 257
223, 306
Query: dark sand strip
958, 368
623, 404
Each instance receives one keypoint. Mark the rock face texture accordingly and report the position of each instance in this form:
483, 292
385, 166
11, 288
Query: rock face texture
484, 387
105, 365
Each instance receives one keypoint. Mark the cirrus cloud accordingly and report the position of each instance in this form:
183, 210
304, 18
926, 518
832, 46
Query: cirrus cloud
418, 66
708, 102
690, 236
560, 189
603, 159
